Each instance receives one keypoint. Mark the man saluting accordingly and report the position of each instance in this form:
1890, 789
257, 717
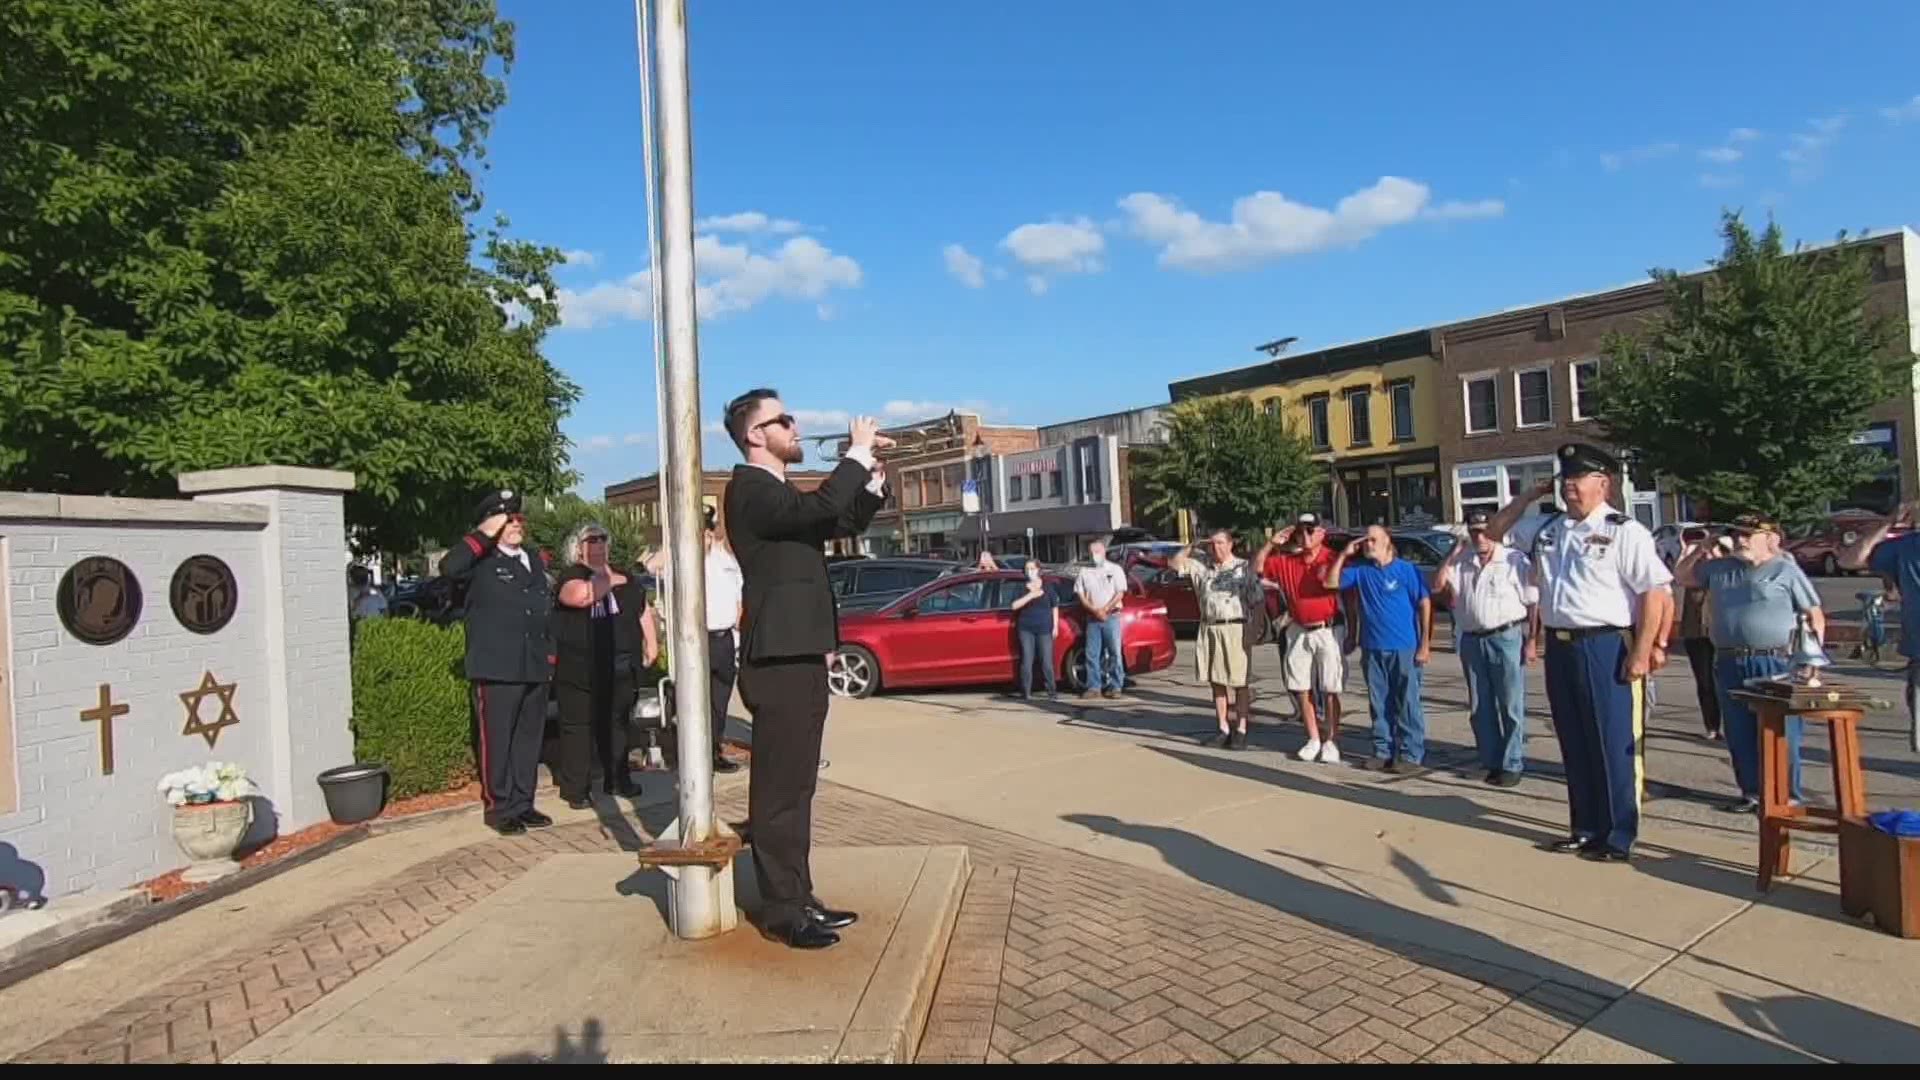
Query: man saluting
778, 533
1605, 606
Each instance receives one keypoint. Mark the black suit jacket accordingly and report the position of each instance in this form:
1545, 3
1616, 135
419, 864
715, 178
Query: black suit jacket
507, 610
777, 533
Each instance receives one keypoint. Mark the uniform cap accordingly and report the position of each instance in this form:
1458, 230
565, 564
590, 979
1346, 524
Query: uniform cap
502, 501
1477, 519
1579, 459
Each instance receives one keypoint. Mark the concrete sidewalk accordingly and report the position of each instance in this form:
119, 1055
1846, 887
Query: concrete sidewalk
1698, 964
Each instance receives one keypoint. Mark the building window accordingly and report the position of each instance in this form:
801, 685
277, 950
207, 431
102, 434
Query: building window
1317, 420
1033, 485
1271, 406
1582, 372
1053, 484
1482, 397
1089, 475
1533, 391
1360, 417
1401, 395
1016, 490
910, 490
956, 479
936, 493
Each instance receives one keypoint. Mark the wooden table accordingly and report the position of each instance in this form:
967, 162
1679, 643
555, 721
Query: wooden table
1841, 709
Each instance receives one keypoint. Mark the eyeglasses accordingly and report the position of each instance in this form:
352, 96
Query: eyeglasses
590, 539
784, 420
516, 519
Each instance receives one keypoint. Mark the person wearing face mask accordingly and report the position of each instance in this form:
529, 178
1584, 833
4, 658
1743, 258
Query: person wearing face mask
1605, 608
1755, 599
509, 657
1101, 589
605, 633
1038, 613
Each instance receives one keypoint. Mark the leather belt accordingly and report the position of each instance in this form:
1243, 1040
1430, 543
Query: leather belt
1577, 632
1501, 629
1310, 626
1225, 622
1777, 651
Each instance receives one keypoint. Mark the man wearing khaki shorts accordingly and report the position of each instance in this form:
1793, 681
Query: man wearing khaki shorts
1313, 664
1226, 591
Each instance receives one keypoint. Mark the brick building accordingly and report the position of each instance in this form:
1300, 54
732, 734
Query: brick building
925, 478
640, 497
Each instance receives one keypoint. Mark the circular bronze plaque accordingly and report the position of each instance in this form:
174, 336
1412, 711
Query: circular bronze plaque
99, 600
203, 594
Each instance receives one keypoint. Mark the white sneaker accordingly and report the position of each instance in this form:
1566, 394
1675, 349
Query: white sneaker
1310, 751
1329, 754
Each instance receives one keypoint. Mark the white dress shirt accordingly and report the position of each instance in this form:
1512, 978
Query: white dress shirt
725, 584
1491, 594
1592, 572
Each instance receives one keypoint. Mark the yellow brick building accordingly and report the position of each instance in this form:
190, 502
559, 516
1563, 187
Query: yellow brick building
1371, 411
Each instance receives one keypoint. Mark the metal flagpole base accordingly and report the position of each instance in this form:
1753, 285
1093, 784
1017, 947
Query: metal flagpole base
700, 898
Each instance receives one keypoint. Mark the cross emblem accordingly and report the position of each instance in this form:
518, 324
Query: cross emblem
209, 730
105, 713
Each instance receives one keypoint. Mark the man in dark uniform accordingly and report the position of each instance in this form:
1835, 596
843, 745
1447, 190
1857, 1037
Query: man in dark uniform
1605, 604
509, 657
778, 534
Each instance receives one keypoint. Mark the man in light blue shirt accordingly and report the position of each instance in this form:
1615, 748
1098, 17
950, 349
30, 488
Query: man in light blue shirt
1396, 630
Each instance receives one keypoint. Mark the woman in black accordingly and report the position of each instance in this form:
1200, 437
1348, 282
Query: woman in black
604, 633
1037, 611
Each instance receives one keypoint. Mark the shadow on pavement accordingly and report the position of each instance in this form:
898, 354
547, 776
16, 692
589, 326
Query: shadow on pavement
589, 1050
1815, 1025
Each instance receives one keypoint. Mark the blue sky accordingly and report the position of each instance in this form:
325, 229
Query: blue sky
1137, 198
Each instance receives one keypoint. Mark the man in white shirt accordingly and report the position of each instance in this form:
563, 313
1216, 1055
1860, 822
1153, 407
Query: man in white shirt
1490, 588
1605, 604
725, 585
1102, 588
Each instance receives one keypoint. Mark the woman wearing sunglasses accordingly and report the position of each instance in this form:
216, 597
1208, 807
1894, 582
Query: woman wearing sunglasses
605, 636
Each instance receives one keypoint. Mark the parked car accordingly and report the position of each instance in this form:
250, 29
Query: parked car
1818, 549
863, 584
959, 631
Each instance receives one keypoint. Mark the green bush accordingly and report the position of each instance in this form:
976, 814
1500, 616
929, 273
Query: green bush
411, 710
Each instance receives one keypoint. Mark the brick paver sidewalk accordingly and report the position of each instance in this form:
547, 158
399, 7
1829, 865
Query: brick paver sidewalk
1057, 957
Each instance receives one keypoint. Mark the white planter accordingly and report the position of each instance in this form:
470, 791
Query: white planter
208, 834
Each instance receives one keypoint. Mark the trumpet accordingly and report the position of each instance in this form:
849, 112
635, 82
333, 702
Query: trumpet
945, 434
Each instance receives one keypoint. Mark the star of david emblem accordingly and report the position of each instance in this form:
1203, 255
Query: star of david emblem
209, 731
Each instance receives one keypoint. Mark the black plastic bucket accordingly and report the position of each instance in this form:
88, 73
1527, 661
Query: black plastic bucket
354, 793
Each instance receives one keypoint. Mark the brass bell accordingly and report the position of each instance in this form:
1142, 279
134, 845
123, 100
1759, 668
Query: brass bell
1807, 656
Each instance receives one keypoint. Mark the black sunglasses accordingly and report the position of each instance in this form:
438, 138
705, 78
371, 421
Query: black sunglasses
784, 420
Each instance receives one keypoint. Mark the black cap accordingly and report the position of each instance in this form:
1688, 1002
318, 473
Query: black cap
712, 517
1308, 520
1579, 459
1478, 519
1755, 523
502, 501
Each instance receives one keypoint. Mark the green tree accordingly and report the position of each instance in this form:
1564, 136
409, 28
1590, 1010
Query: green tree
550, 520
1234, 465
1749, 388
237, 234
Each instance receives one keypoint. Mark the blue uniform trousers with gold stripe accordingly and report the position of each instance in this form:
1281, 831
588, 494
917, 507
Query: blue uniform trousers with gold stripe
1599, 718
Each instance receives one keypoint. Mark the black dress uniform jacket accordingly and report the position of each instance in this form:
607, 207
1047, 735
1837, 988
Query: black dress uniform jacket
777, 533
508, 607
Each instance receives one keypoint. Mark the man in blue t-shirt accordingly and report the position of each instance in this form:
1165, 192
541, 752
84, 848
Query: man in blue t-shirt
1898, 561
1396, 629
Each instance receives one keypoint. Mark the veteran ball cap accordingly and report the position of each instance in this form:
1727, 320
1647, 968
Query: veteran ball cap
1308, 521
1477, 520
502, 501
1754, 523
1579, 459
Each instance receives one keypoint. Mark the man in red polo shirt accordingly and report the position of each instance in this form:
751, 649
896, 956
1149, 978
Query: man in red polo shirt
1296, 559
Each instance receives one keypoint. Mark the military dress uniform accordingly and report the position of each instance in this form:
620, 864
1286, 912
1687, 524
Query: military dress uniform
509, 661
1593, 575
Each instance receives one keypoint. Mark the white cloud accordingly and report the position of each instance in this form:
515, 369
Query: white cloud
1722, 155
1806, 151
1458, 210
598, 443
1901, 114
731, 278
821, 421
638, 438
750, 221
1056, 247
1614, 162
1740, 135
1719, 180
1267, 225
965, 266
582, 258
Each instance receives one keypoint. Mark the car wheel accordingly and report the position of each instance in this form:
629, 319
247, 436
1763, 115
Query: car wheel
1074, 669
854, 673
1830, 566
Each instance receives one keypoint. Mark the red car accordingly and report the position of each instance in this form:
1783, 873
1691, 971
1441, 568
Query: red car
1818, 550
959, 631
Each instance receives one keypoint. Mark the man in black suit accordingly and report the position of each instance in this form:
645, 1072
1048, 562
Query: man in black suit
778, 534
509, 657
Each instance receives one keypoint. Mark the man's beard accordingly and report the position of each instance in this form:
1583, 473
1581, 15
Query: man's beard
792, 453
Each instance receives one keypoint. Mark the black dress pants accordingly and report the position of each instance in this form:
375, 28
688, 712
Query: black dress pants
1700, 655
593, 720
723, 668
511, 719
788, 700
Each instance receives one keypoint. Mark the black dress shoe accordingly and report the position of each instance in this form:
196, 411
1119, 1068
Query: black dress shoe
1565, 846
1505, 779
509, 828
1493, 777
1377, 764
580, 804
534, 819
1602, 853
625, 787
725, 765
828, 918
805, 934
1238, 742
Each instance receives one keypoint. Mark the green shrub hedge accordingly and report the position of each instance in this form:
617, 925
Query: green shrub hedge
411, 711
